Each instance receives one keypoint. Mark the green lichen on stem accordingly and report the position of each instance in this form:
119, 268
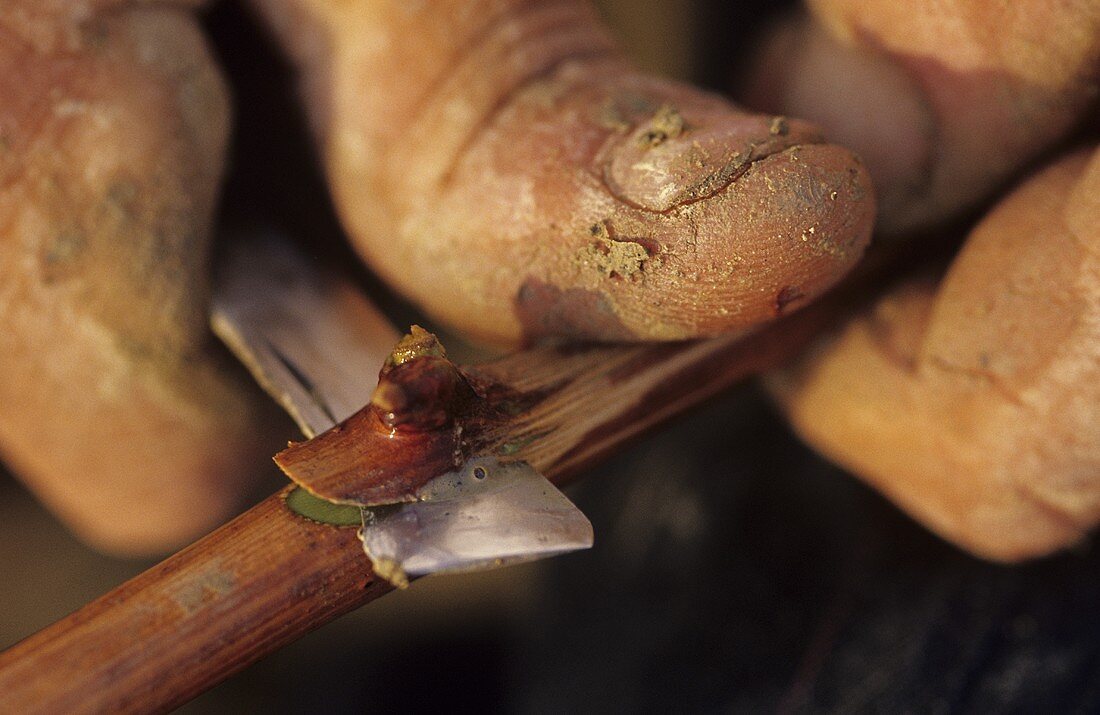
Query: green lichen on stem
509, 448
304, 504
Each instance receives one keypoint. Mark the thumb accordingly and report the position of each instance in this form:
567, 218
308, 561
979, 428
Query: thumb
504, 166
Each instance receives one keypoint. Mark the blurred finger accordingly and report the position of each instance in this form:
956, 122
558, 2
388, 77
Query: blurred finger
975, 404
115, 406
943, 100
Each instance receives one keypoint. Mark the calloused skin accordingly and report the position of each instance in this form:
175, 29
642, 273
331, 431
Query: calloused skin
602, 203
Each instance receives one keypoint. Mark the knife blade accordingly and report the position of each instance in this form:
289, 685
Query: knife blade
314, 342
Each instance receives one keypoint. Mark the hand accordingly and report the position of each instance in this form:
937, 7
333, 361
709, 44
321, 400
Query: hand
500, 164
972, 400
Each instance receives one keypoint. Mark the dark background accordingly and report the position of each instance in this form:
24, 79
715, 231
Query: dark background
733, 571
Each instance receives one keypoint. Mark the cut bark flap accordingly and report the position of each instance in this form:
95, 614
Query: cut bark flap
363, 461
424, 418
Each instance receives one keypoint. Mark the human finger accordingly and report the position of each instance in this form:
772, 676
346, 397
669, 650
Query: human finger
115, 406
945, 101
973, 402
503, 165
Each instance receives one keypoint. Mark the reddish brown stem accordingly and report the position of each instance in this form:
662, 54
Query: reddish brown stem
559, 409
269, 576
261, 581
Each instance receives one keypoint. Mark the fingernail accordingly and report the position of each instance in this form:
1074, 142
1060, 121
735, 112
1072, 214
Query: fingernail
673, 159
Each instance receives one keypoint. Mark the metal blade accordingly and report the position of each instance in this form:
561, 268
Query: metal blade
487, 513
315, 343
308, 336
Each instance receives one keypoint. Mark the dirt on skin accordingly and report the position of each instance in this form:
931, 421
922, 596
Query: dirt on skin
548, 312
667, 124
610, 256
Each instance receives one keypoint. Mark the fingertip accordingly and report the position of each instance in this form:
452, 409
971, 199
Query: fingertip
784, 232
798, 221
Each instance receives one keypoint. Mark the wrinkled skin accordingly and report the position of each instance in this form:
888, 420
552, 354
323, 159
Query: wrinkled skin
505, 167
